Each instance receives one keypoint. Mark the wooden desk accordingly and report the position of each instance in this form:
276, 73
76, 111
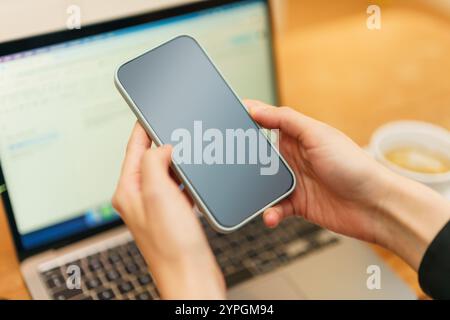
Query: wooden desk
11, 283
333, 68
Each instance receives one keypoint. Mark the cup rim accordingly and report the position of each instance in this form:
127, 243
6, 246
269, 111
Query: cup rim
391, 128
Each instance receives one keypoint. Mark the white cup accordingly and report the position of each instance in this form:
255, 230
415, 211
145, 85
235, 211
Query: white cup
416, 134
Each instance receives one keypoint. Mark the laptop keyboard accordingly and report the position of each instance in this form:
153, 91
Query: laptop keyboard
120, 272
117, 273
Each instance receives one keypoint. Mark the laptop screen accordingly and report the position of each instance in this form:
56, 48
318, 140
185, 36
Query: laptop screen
64, 126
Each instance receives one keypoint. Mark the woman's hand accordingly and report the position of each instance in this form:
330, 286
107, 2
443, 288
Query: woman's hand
163, 223
341, 188
338, 185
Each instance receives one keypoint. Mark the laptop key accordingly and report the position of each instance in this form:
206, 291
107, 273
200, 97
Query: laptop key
95, 265
55, 282
144, 279
93, 283
132, 268
112, 275
52, 272
133, 250
105, 294
67, 294
144, 295
140, 261
114, 258
95, 257
125, 287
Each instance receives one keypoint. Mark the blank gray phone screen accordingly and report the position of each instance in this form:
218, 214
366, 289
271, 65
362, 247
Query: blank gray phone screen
188, 104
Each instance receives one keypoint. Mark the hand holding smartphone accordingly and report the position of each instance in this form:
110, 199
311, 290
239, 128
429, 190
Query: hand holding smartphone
229, 167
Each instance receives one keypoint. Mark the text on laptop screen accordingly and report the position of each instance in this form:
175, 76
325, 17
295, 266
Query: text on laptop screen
64, 127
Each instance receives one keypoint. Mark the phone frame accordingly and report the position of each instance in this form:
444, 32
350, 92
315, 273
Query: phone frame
188, 186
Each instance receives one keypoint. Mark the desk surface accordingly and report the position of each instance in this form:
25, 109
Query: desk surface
338, 71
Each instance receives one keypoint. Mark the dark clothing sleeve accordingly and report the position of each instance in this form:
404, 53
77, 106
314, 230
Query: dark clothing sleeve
434, 270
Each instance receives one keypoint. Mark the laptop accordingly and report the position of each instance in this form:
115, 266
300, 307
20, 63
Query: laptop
64, 130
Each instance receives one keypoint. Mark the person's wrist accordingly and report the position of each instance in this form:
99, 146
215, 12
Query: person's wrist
189, 277
408, 216
372, 203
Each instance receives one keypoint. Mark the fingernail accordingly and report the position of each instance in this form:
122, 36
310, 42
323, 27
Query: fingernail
256, 110
251, 110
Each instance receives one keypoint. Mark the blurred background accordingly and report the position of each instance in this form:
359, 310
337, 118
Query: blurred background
336, 69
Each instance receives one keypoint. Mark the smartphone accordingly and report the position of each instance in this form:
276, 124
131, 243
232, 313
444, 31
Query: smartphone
224, 159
